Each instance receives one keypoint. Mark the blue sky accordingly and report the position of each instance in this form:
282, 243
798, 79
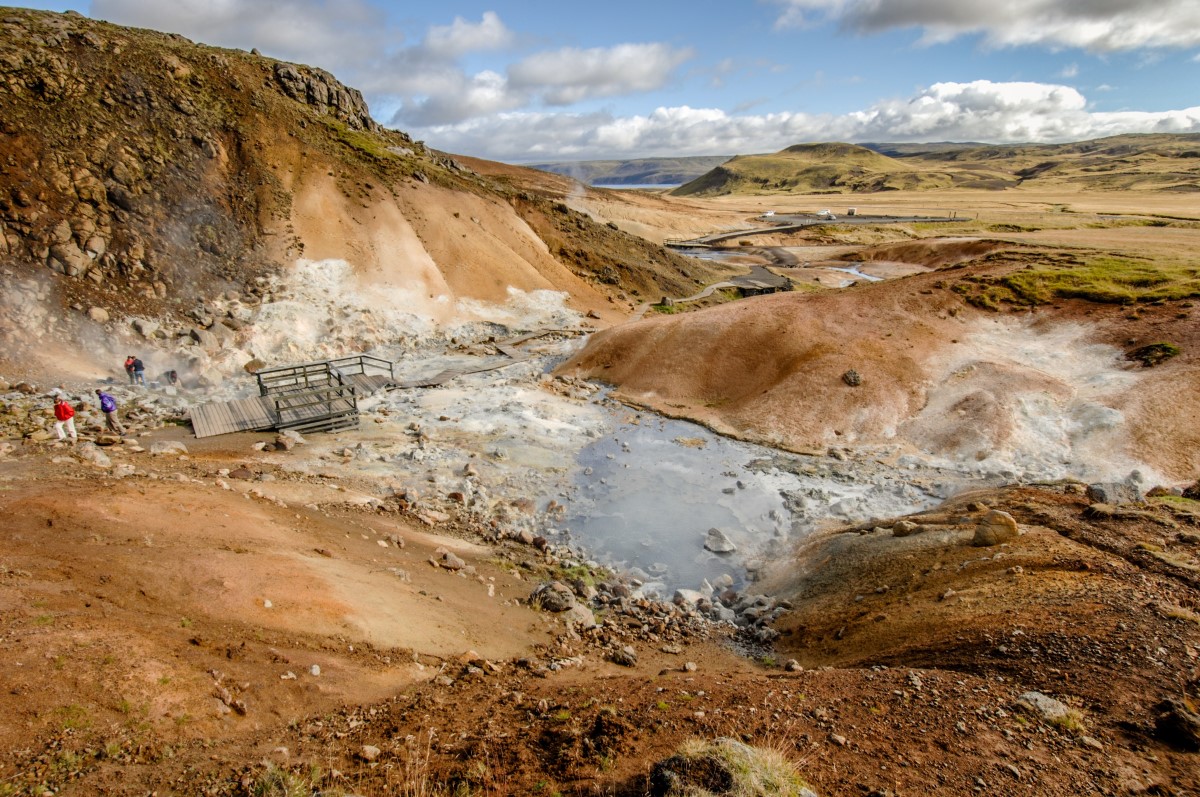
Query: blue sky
538, 80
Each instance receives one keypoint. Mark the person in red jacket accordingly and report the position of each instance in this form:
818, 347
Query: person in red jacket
66, 419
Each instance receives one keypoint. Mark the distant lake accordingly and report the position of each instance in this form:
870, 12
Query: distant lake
642, 186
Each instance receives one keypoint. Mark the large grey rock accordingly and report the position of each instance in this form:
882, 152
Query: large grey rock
163, 447
145, 327
581, 615
626, 656
294, 436
687, 597
1113, 493
205, 339
554, 596
995, 528
89, 453
718, 542
1047, 707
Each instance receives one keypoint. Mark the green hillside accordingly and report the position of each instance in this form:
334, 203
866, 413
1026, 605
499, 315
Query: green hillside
1129, 162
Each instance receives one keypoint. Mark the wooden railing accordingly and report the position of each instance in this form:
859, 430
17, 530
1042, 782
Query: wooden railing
318, 396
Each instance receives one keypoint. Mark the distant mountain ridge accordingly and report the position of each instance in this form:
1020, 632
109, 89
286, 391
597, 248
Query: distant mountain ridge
640, 171
1160, 161
1129, 162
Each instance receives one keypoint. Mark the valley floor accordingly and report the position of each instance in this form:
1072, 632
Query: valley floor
228, 619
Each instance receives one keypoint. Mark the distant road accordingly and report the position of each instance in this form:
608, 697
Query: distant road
790, 222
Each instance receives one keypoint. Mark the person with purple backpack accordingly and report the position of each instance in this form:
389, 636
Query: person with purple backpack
108, 405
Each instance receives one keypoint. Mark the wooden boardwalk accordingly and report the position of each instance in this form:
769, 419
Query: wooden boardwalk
257, 413
261, 413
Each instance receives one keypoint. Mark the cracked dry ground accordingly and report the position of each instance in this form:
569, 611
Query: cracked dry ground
141, 654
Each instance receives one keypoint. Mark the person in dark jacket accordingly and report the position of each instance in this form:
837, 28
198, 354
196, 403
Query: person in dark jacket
139, 372
108, 405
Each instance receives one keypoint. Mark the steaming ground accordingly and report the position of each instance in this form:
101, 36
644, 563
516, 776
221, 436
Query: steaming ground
1011, 401
1008, 401
1030, 402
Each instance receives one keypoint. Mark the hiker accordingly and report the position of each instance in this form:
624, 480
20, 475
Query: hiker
108, 405
65, 418
173, 377
129, 367
139, 372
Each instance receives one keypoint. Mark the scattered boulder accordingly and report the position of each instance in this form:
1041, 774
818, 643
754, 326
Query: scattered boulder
1046, 707
553, 596
995, 528
163, 447
145, 327
852, 378
625, 656
369, 752
1113, 493
906, 528
581, 616
1178, 724
89, 453
687, 597
718, 541
205, 339
98, 314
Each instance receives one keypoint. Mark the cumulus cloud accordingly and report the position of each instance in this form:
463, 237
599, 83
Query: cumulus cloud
332, 33
423, 83
977, 111
462, 37
570, 75
453, 97
436, 91
1097, 25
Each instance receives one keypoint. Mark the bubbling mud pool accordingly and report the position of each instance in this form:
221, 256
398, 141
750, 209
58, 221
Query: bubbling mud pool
644, 497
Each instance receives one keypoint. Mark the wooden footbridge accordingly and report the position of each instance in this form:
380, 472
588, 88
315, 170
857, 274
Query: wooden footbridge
323, 396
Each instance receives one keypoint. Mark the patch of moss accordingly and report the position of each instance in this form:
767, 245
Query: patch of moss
729, 767
1103, 279
1152, 354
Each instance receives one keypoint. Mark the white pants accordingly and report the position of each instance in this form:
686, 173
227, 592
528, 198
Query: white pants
70, 424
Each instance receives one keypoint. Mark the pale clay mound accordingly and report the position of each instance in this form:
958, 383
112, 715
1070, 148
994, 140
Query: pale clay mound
937, 376
437, 245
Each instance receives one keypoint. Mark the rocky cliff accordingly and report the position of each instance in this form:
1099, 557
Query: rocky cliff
143, 176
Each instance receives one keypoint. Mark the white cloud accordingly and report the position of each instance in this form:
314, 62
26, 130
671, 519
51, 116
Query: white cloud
1097, 25
453, 97
462, 37
1069, 71
345, 33
977, 111
571, 75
